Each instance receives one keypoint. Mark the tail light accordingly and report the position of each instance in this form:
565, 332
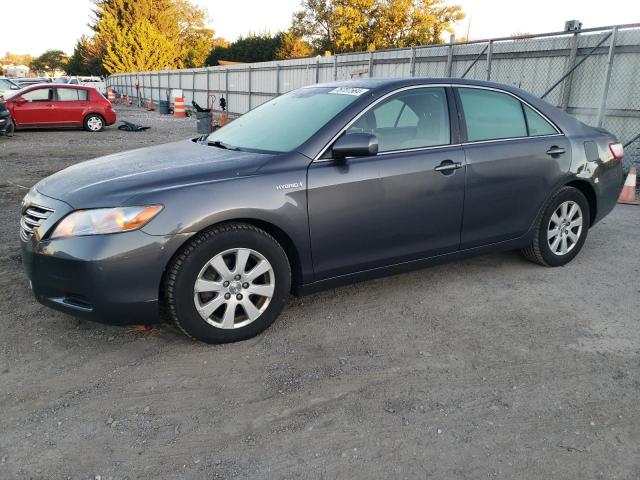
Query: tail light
617, 150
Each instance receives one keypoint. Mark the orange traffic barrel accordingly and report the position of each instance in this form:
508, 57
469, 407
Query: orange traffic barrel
110, 95
178, 107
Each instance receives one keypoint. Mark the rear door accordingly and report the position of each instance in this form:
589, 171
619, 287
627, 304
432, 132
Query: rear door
37, 108
514, 157
70, 105
403, 203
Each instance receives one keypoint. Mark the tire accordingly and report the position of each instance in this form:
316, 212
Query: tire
93, 123
555, 227
210, 261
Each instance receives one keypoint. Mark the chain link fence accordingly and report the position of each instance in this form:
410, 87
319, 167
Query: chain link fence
593, 74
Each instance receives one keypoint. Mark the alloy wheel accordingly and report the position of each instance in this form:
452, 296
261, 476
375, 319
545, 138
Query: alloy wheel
565, 227
234, 288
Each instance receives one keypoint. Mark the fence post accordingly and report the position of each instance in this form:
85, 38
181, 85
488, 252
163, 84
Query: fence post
226, 87
193, 85
412, 62
317, 70
208, 72
370, 64
566, 88
489, 58
452, 40
249, 86
277, 80
335, 67
607, 78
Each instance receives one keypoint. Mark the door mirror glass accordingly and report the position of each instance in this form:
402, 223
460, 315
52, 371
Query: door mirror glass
355, 145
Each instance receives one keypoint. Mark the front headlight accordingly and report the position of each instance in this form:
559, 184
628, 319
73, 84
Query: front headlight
101, 221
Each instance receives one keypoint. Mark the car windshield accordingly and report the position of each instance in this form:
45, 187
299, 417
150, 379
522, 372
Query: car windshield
6, 84
286, 122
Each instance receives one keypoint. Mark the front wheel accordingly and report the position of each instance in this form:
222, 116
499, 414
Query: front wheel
561, 230
228, 283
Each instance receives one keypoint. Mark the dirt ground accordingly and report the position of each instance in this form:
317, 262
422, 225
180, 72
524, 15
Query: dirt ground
486, 368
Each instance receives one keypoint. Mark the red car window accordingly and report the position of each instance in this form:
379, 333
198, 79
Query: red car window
38, 95
71, 95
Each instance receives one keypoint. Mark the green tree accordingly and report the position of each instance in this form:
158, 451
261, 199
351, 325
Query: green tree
82, 61
139, 48
49, 62
253, 48
181, 25
357, 25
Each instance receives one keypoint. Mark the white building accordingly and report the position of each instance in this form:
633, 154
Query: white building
15, 70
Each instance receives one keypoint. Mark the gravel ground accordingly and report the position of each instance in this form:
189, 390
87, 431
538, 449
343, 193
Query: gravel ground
486, 368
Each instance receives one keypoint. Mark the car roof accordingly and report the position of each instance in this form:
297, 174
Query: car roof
56, 85
393, 83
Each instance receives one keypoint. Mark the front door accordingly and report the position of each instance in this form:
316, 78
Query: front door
34, 107
404, 203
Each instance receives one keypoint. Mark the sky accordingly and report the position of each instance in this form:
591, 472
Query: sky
58, 24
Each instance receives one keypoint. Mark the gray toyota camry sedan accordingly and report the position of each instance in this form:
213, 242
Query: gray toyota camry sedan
328, 184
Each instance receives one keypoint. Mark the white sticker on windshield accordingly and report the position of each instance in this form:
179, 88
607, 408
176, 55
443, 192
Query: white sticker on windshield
349, 91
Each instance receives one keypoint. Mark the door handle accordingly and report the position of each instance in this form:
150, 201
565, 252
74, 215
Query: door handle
555, 151
447, 167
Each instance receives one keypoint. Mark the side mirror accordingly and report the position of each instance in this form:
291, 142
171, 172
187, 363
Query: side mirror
15, 87
355, 145
20, 101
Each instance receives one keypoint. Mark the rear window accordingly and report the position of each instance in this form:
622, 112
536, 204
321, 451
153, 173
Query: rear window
537, 125
72, 95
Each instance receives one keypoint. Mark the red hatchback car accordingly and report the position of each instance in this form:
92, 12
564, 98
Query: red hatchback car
52, 105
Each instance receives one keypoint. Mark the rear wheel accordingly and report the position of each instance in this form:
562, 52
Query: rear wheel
93, 122
228, 283
561, 230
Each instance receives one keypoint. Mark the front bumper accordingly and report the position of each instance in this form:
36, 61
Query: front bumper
112, 279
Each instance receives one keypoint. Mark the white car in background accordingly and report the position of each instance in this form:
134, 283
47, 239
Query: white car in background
95, 82
7, 87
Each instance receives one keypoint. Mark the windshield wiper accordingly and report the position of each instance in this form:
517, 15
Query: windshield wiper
219, 144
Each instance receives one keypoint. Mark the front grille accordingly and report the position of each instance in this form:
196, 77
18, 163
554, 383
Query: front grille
31, 219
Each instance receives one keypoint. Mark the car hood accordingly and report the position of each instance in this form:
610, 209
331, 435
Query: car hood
111, 180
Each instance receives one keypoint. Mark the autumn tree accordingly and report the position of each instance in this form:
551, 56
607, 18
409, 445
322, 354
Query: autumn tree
292, 46
357, 25
49, 62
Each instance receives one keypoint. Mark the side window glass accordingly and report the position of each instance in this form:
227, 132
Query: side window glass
408, 118
411, 119
39, 95
491, 115
67, 94
387, 114
537, 124
83, 95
